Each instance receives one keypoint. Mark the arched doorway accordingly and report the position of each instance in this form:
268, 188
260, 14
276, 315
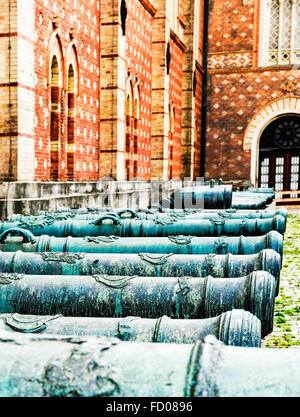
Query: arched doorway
279, 154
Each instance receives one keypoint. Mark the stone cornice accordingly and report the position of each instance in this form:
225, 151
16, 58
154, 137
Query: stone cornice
176, 39
199, 67
181, 22
249, 69
230, 52
149, 7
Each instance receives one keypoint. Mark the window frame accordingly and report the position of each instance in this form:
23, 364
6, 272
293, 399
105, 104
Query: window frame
264, 39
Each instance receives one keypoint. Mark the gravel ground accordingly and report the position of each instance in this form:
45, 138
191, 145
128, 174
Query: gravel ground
286, 331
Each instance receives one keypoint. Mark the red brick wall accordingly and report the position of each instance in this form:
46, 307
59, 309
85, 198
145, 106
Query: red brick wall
198, 104
85, 19
175, 98
237, 88
200, 43
234, 98
139, 60
231, 26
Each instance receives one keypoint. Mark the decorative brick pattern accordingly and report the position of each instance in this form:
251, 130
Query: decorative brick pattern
241, 94
234, 99
139, 64
175, 101
70, 124
231, 60
191, 92
77, 29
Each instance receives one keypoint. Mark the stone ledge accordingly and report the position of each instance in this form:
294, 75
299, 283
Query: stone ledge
32, 197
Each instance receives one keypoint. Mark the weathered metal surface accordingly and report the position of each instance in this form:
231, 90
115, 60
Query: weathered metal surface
20, 239
156, 215
111, 224
86, 366
264, 191
234, 328
44, 216
251, 199
190, 215
147, 297
142, 264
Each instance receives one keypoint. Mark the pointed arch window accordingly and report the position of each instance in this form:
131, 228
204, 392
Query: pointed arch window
280, 32
136, 117
171, 141
71, 123
55, 94
129, 131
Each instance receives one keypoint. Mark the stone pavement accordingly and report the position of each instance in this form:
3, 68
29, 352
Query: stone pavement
286, 332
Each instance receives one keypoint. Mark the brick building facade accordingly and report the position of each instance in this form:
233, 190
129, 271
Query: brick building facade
114, 88
253, 81
90, 89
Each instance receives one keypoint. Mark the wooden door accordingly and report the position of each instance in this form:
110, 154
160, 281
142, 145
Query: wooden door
279, 155
280, 171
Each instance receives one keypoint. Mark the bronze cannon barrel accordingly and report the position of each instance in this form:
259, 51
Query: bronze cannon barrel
21, 239
87, 366
112, 224
153, 215
146, 297
89, 211
235, 327
206, 197
142, 264
251, 199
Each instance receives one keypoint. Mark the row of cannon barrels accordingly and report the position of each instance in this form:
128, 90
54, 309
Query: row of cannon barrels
118, 304
109, 224
64, 213
217, 197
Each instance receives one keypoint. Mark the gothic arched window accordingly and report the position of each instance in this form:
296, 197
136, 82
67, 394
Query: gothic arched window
280, 32
129, 131
55, 96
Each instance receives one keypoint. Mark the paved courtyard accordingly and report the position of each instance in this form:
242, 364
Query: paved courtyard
286, 332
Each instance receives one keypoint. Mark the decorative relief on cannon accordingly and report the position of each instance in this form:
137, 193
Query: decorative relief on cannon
180, 239
114, 282
184, 287
208, 265
8, 278
28, 323
221, 245
165, 221
217, 221
70, 258
101, 239
125, 328
155, 259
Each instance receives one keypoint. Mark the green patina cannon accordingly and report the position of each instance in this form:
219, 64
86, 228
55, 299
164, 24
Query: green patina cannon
189, 215
87, 366
235, 328
142, 264
146, 297
251, 199
266, 191
200, 197
154, 215
111, 224
21, 239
